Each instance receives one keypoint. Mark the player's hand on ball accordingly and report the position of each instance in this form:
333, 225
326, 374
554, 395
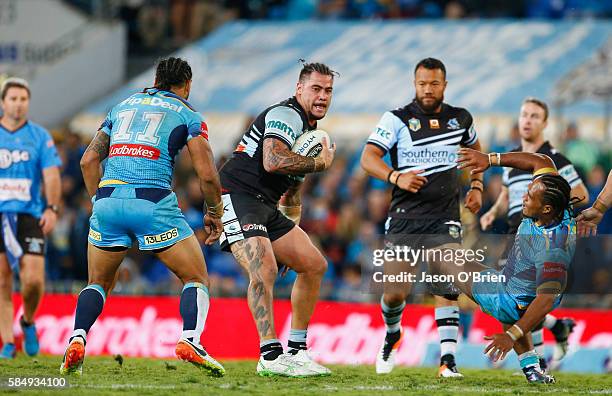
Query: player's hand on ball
469, 158
212, 228
587, 222
486, 220
501, 345
327, 153
473, 200
411, 181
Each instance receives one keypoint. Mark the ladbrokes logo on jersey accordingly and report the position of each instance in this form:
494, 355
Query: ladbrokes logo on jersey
133, 150
163, 237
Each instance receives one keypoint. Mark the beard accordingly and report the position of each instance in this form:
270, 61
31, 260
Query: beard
429, 108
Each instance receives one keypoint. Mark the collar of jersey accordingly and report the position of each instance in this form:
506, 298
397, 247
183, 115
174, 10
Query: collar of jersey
16, 130
169, 94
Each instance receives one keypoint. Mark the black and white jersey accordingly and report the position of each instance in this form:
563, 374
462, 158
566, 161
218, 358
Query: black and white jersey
418, 140
244, 171
517, 181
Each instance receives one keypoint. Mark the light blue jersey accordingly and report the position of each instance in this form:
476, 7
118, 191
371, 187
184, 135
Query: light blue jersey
538, 262
24, 154
147, 131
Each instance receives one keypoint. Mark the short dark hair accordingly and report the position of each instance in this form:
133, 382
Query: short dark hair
14, 82
557, 194
431, 64
321, 68
172, 72
538, 102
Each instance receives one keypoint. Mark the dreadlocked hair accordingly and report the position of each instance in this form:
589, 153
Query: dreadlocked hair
557, 194
172, 72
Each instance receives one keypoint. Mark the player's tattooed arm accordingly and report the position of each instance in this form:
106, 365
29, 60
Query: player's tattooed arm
278, 158
250, 254
96, 152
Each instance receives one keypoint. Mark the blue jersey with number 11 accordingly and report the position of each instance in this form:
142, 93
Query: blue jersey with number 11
147, 131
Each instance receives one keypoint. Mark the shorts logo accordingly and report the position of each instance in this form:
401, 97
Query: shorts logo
8, 157
35, 245
453, 124
133, 150
163, 237
414, 124
95, 235
434, 124
254, 227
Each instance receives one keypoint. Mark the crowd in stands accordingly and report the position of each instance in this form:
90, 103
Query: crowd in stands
344, 214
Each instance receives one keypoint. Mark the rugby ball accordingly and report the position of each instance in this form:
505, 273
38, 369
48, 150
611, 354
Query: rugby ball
310, 144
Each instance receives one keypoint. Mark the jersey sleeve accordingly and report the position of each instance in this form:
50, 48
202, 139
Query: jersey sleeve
196, 126
552, 263
470, 136
107, 124
48, 152
567, 170
385, 133
283, 123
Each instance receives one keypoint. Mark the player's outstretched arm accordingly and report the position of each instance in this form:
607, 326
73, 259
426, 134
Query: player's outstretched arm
372, 162
530, 162
499, 207
278, 158
589, 218
204, 164
473, 198
96, 152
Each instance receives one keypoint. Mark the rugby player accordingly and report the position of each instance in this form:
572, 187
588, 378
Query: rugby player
133, 200
27, 155
532, 122
531, 283
422, 139
262, 204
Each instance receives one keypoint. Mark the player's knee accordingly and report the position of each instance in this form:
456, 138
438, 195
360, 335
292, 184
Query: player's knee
32, 281
264, 272
319, 265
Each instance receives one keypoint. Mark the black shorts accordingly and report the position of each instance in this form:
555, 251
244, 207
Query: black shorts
246, 216
29, 235
425, 234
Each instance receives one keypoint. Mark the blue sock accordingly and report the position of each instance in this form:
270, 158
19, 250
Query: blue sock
529, 359
89, 307
297, 340
392, 316
194, 310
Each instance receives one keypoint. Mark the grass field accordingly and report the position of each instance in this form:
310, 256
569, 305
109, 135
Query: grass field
104, 375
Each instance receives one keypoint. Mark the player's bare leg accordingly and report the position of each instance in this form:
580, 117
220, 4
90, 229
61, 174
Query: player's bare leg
296, 251
186, 260
102, 267
529, 360
32, 277
6, 309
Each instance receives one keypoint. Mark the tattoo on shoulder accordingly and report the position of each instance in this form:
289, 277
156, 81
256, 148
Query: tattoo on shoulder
100, 144
276, 154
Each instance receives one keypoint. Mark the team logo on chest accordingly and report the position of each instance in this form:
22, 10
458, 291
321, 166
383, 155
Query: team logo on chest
434, 124
453, 124
414, 124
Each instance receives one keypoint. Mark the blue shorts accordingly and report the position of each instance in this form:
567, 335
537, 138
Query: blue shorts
495, 300
124, 214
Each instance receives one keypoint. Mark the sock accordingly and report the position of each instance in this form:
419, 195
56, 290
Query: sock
529, 359
447, 319
270, 349
538, 341
550, 321
392, 316
89, 307
297, 340
194, 310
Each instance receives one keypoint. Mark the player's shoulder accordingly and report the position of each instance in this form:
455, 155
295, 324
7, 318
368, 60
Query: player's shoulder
460, 113
284, 112
558, 158
38, 130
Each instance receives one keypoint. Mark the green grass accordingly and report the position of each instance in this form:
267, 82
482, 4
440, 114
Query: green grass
104, 376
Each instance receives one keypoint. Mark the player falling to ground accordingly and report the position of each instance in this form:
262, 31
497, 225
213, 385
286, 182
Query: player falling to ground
141, 136
532, 282
532, 122
27, 152
262, 207
591, 217
422, 139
